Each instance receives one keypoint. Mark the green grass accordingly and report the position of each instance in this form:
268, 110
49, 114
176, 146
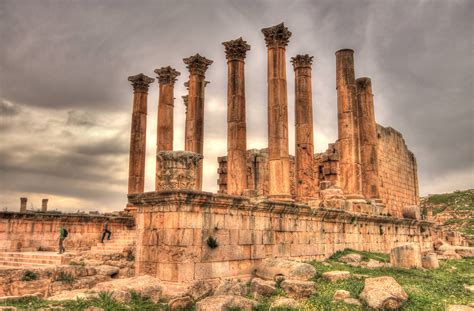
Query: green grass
65, 277
426, 289
458, 200
105, 300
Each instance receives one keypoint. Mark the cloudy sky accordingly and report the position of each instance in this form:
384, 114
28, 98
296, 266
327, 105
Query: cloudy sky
65, 102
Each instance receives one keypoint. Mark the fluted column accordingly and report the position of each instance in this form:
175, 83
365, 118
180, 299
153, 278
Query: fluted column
306, 171
348, 134
276, 39
136, 173
367, 138
197, 66
236, 51
164, 139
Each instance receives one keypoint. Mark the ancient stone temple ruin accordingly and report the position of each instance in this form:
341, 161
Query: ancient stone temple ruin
361, 193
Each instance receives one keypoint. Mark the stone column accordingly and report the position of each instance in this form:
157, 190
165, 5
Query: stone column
164, 138
236, 124
44, 205
197, 66
185, 102
178, 170
306, 170
367, 138
276, 39
23, 202
136, 173
348, 135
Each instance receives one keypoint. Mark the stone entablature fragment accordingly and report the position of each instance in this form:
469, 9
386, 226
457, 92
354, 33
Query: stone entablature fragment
177, 170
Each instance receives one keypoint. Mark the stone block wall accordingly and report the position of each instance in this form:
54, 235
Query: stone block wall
30, 231
398, 183
173, 230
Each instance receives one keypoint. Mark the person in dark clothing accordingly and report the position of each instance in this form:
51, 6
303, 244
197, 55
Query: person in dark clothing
62, 236
106, 231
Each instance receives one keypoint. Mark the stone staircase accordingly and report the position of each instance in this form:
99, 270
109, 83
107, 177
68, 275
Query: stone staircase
29, 259
118, 243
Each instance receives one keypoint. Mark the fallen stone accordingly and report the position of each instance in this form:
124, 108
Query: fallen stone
446, 251
260, 287
8, 308
172, 290
341, 294
94, 309
298, 289
469, 287
200, 289
459, 308
144, 285
74, 295
464, 251
283, 303
383, 292
270, 268
430, 261
180, 303
107, 270
406, 256
352, 301
231, 287
374, 264
411, 212
334, 276
224, 303
351, 258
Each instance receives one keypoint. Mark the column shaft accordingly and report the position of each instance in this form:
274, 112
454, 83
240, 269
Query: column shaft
236, 119
306, 172
164, 138
136, 177
277, 37
348, 135
368, 138
197, 66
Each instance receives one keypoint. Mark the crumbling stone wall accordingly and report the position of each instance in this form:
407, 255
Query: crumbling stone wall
32, 231
398, 178
257, 173
174, 230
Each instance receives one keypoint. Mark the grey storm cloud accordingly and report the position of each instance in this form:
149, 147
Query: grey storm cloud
65, 101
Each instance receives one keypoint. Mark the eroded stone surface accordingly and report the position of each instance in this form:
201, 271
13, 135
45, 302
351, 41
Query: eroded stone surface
406, 256
273, 267
225, 302
298, 289
383, 292
334, 276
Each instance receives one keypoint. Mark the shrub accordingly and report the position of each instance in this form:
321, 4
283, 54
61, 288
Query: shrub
29, 276
65, 277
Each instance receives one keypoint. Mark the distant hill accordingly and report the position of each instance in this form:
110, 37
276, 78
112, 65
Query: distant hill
454, 210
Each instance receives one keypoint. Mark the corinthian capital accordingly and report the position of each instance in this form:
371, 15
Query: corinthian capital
197, 64
236, 49
140, 82
278, 35
300, 61
167, 75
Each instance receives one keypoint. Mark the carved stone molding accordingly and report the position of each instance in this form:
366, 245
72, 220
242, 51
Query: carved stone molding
177, 170
167, 75
197, 64
140, 82
278, 35
236, 49
300, 61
